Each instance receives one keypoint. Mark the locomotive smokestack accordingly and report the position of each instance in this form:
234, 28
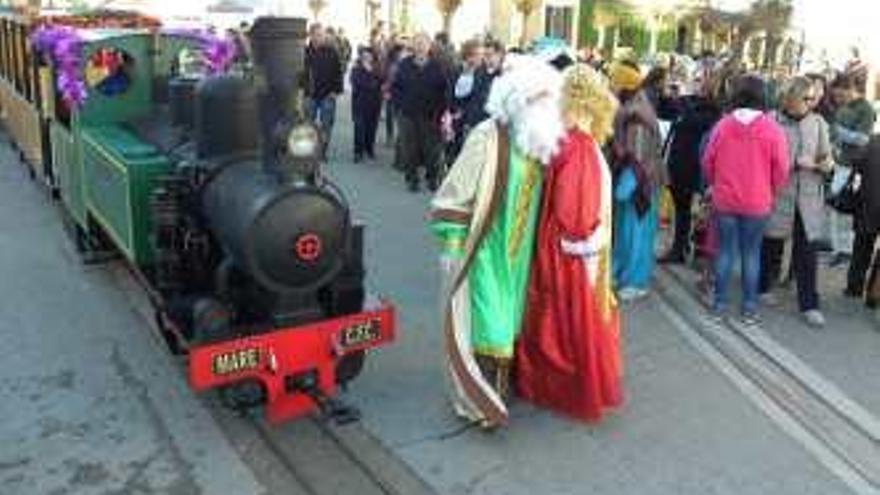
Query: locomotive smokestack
278, 46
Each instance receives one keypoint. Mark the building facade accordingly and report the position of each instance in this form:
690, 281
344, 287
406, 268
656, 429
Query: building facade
498, 18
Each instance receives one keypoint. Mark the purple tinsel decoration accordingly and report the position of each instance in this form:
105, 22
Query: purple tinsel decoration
217, 53
64, 45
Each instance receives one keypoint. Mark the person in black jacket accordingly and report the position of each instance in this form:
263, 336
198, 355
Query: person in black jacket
656, 87
324, 82
866, 224
851, 132
344, 47
394, 53
420, 90
493, 59
870, 221
366, 103
699, 115
467, 107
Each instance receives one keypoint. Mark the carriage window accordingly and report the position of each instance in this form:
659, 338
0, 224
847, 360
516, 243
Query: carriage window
109, 71
189, 63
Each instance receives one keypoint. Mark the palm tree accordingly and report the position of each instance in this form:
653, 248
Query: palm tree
526, 8
316, 6
373, 7
773, 17
448, 8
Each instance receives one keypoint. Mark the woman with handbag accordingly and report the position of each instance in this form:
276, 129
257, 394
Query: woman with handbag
798, 212
852, 120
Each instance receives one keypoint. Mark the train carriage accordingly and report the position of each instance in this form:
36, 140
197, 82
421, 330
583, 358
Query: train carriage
105, 172
22, 90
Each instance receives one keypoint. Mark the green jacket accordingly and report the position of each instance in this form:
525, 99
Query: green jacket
853, 125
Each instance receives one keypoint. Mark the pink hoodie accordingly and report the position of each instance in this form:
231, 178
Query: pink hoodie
746, 163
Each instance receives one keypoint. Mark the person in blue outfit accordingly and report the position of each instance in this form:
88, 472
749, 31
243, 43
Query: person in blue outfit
638, 174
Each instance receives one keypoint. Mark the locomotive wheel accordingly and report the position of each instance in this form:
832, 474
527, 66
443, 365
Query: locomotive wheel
349, 367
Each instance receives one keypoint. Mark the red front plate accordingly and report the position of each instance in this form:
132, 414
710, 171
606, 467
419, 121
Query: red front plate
270, 357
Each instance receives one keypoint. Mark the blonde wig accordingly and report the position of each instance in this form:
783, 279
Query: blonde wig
588, 102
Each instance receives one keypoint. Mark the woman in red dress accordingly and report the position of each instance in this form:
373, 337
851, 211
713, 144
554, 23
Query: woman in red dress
568, 355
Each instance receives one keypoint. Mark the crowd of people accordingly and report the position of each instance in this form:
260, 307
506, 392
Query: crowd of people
768, 171
529, 153
431, 95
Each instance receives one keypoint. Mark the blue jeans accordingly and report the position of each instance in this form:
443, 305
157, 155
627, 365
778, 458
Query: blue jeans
745, 233
323, 114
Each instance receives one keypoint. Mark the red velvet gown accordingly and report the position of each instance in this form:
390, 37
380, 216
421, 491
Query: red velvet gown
568, 354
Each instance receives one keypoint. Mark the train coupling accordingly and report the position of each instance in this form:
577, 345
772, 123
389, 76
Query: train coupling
329, 408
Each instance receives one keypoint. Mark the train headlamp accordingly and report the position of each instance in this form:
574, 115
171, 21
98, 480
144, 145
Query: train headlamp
304, 142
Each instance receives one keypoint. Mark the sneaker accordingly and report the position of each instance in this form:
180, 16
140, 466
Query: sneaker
750, 319
770, 299
717, 316
627, 294
814, 318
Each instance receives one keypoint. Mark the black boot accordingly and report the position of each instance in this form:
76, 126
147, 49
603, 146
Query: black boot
433, 185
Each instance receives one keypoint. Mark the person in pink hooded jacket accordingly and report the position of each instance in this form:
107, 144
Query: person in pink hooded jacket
746, 166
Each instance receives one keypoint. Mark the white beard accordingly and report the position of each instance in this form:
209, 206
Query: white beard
527, 97
538, 130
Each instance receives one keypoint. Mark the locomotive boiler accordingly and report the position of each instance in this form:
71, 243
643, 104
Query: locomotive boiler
273, 290
212, 189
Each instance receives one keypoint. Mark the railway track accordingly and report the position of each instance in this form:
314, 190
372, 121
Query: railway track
310, 456
839, 433
313, 457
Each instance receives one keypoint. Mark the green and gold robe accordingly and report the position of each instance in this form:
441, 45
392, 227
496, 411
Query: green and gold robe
484, 217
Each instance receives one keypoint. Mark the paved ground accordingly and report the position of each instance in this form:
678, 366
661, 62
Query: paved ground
685, 428
90, 402
847, 352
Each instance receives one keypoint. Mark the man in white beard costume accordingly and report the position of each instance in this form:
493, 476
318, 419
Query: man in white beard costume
484, 217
